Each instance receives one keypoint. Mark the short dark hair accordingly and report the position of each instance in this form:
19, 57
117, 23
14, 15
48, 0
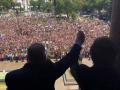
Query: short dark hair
103, 51
36, 53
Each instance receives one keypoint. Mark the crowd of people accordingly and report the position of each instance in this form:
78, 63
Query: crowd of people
17, 33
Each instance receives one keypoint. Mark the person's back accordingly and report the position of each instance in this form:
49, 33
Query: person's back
32, 77
95, 79
40, 73
102, 76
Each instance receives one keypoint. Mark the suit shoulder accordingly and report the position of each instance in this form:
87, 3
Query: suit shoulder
12, 74
82, 66
81, 70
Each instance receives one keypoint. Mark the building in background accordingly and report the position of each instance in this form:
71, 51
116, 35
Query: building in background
24, 3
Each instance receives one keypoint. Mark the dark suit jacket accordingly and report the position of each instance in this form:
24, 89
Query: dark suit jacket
95, 78
36, 77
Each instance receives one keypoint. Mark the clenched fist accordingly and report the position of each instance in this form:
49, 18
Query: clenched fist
80, 38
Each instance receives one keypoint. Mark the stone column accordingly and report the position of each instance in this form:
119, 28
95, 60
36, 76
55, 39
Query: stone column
115, 26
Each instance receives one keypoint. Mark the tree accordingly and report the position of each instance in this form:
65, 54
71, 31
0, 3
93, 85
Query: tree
47, 7
33, 4
41, 5
59, 7
37, 4
69, 7
6, 4
103, 7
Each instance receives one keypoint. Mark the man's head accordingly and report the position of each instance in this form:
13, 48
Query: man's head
103, 51
36, 54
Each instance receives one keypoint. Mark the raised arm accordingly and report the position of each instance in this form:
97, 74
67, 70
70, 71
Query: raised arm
72, 57
75, 71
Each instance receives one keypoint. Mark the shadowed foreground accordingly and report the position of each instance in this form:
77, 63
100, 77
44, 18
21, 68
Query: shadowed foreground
66, 82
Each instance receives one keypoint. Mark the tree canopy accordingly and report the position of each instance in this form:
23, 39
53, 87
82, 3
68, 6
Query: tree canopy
71, 8
5, 4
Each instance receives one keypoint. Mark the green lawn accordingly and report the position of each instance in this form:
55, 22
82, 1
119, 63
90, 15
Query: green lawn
2, 86
2, 78
2, 75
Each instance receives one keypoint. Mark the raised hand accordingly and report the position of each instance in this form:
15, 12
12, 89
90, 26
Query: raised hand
80, 38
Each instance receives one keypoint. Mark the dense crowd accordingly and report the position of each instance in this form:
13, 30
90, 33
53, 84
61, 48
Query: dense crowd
18, 33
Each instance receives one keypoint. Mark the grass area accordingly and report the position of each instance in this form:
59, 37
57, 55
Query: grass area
2, 86
7, 66
2, 75
2, 78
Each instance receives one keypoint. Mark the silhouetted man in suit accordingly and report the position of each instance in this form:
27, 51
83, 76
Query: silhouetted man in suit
102, 76
40, 73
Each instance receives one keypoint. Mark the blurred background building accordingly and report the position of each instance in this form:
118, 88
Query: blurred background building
24, 3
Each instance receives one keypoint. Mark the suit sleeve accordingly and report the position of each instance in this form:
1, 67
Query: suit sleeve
68, 60
75, 71
81, 73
